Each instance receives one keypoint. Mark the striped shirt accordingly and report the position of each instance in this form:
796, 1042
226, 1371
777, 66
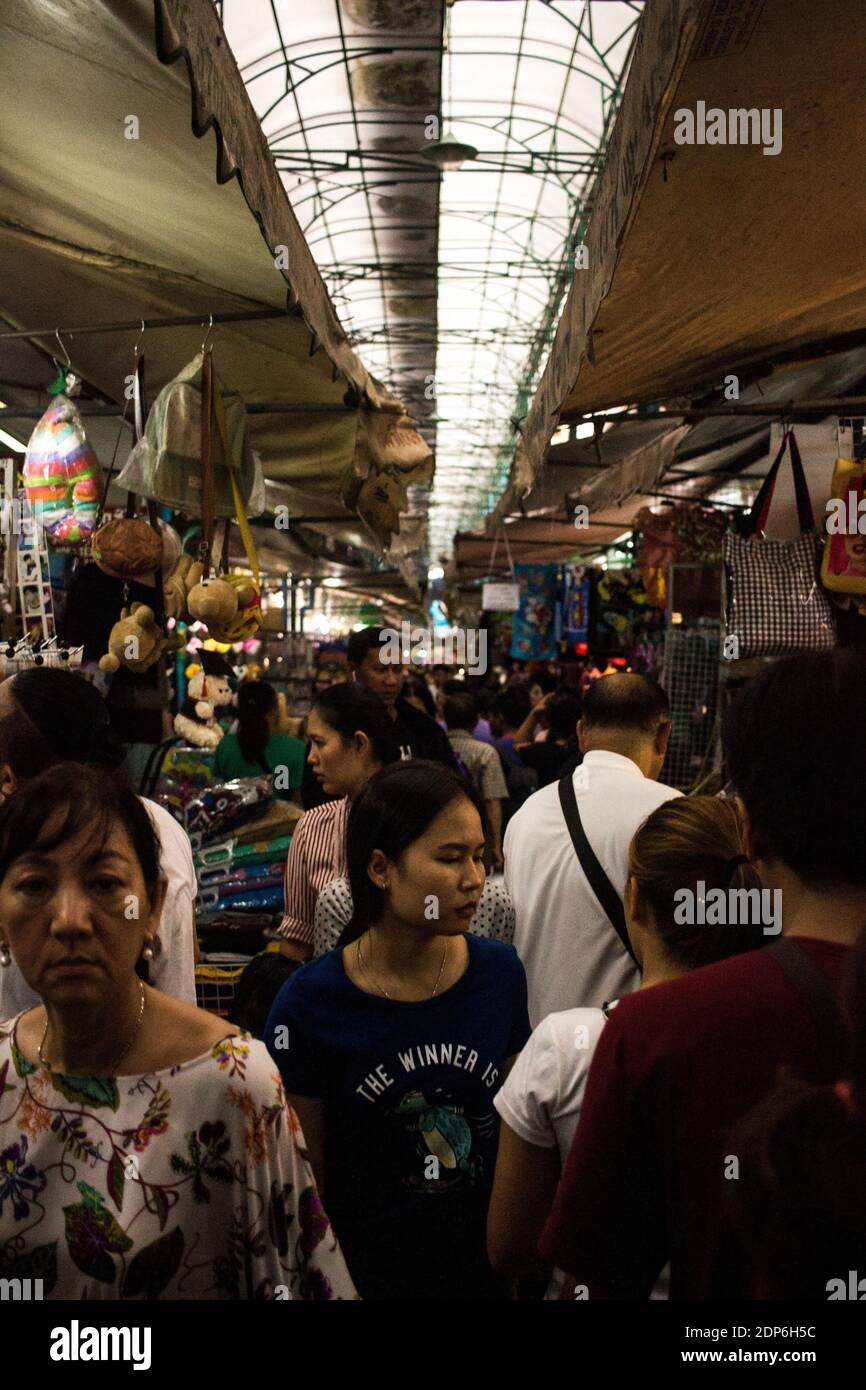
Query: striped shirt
316, 855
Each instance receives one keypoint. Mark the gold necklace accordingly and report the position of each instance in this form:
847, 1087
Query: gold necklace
381, 988
112, 1071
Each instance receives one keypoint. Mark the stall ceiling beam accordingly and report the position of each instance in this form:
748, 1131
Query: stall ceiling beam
253, 408
131, 325
830, 405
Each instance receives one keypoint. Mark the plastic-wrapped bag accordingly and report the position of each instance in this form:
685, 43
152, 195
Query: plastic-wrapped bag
217, 811
166, 464
61, 474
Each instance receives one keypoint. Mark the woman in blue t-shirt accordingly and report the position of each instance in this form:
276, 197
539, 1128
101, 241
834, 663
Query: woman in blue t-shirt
392, 1046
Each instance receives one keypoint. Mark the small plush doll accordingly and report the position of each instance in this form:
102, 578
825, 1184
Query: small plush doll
136, 641
208, 690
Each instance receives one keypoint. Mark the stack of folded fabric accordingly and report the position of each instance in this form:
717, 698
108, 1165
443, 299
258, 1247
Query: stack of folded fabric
240, 863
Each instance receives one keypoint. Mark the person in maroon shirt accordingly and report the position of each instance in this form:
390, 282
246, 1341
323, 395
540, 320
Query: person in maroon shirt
679, 1064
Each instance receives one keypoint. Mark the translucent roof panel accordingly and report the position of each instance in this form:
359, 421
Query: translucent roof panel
533, 87
448, 284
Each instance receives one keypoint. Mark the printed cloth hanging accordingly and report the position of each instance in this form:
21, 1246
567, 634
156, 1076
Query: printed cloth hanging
61, 474
534, 626
575, 604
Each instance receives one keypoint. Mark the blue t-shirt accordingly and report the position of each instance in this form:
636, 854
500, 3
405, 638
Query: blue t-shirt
410, 1126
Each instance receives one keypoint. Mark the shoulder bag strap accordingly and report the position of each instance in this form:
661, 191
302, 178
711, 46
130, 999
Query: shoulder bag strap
814, 991
207, 460
599, 882
756, 518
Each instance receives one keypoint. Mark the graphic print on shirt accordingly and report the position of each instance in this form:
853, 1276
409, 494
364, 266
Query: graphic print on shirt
437, 1144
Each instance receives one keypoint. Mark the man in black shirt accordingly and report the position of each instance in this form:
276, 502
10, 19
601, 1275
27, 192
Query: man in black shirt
415, 733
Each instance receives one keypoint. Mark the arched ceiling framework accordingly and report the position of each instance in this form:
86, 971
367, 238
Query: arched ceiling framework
449, 284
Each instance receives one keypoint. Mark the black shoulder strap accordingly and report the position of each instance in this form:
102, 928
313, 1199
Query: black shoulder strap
814, 990
599, 882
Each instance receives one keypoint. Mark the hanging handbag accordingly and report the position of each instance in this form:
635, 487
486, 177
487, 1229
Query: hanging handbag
775, 603
166, 464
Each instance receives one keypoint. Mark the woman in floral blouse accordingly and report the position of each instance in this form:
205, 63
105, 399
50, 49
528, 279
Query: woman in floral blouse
146, 1147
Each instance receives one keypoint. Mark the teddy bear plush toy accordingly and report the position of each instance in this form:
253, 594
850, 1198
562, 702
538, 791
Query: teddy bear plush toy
208, 690
230, 608
179, 584
136, 641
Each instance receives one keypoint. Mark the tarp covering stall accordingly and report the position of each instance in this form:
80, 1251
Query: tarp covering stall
112, 210
712, 258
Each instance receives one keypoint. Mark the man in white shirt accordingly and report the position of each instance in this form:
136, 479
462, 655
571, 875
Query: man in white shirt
570, 949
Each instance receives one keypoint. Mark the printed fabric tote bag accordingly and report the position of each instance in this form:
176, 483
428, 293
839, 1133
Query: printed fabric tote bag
775, 603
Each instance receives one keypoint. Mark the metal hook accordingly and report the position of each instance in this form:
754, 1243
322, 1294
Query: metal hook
62, 346
207, 335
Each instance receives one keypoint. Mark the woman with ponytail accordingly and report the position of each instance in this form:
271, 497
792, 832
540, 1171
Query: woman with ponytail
392, 1045
255, 748
350, 740
693, 844
49, 716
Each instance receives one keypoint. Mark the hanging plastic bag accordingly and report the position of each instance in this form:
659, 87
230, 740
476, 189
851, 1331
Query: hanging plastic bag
166, 464
843, 564
61, 474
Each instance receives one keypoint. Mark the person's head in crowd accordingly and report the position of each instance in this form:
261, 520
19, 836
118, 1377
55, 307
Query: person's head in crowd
368, 654
49, 716
80, 888
561, 714
257, 988
415, 839
797, 1212
629, 715
460, 712
350, 739
508, 710
418, 693
542, 683
686, 849
258, 712
799, 768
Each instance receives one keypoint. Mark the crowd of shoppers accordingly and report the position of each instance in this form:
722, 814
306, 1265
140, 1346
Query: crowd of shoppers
685, 1121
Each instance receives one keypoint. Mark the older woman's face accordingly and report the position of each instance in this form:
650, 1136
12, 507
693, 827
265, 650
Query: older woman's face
75, 917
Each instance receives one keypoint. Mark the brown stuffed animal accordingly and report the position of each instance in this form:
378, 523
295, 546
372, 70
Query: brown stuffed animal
213, 602
137, 642
179, 585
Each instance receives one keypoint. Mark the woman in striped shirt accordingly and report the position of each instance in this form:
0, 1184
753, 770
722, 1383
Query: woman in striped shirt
350, 740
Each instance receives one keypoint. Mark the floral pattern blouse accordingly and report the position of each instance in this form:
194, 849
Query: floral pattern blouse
185, 1183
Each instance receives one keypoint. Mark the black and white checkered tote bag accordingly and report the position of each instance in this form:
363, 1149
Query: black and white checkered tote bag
775, 602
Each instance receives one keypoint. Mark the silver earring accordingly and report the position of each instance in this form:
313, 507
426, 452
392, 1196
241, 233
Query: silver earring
5, 955
147, 953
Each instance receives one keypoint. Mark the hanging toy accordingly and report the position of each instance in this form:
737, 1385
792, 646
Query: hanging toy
208, 690
137, 641
61, 474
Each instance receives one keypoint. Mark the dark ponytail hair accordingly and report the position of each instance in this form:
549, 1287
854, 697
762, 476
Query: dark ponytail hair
391, 813
796, 1217
351, 709
58, 717
256, 699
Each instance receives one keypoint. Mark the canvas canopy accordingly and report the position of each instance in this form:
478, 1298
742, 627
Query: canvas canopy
712, 258
137, 184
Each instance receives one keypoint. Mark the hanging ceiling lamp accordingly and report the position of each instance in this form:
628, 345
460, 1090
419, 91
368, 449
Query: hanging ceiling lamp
449, 152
